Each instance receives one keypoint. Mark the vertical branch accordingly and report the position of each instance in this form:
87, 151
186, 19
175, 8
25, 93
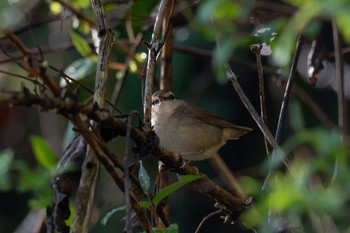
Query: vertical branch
339, 73
266, 132
86, 190
257, 50
165, 83
128, 226
288, 89
153, 49
166, 56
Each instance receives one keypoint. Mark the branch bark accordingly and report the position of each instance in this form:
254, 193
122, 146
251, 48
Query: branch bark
68, 107
86, 190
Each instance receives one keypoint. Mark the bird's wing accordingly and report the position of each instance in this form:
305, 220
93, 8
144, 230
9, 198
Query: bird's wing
205, 117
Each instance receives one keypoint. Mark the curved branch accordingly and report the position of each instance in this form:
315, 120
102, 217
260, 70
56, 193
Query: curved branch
70, 107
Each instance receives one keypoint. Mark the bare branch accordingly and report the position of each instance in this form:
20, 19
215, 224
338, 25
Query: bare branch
86, 190
70, 108
288, 91
153, 49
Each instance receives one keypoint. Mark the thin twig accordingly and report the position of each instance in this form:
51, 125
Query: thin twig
267, 134
206, 218
135, 44
288, 90
257, 50
54, 88
75, 11
22, 77
233, 78
209, 54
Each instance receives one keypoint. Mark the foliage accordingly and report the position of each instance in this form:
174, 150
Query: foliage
311, 196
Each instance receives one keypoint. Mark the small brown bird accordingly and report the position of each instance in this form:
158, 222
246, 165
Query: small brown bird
188, 130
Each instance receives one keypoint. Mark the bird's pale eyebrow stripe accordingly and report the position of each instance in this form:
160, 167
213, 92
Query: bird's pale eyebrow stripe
170, 97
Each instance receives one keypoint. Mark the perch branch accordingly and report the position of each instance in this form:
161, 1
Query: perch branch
68, 107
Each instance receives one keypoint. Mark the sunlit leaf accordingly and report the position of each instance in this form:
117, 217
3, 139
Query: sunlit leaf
79, 69
343, 21
144, 179
43, 152
80, 3
173, 187
55, 7
80, 44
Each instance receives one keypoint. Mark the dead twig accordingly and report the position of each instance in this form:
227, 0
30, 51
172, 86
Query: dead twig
257, 50
86, 190
206, 218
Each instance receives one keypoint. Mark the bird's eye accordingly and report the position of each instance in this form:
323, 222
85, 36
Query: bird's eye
155, 102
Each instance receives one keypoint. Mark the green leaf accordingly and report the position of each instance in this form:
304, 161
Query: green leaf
79, 69
6, 158
173, 228
43, 153
69, 221
110, 213
172, 188
80, 44
144, 178
145, 204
